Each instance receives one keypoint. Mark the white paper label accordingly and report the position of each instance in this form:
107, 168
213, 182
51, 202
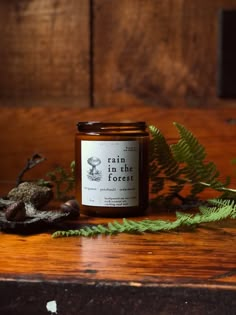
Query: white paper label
110, 173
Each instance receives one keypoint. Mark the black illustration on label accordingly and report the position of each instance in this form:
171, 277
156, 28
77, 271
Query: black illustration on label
93, 173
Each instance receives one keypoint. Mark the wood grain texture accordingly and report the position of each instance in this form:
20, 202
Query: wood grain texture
174, 258
82, 53
44, 52
157, 52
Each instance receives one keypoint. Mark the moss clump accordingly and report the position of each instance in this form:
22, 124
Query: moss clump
28, 192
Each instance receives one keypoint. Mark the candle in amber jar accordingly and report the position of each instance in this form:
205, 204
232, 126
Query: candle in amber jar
112, 168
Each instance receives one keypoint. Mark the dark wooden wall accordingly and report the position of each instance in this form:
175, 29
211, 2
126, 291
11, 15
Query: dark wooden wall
110, 52
44, 52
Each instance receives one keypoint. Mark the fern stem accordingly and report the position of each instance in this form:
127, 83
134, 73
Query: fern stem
218, 188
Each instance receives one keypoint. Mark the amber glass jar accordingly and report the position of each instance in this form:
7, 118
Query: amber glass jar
112, 168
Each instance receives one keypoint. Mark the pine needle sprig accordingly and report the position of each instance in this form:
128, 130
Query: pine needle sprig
216, 210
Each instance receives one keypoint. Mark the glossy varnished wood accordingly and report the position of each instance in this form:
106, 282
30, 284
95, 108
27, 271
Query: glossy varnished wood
188, 272
203, 257
170, 273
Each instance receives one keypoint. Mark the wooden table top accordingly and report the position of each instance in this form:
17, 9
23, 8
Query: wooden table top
191, 272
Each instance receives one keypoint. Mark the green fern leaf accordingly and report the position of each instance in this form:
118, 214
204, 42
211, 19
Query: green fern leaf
216, 210
189, 144
172, 167
191, 154
164, 170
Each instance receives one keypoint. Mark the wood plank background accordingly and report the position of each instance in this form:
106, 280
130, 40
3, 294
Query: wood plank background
157, 52
110, 52
44, 52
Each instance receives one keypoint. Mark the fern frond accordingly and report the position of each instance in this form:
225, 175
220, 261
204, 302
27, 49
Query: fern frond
161, 155
217, 210
188, 144
218, 202
172, 167
191, 154
163, 167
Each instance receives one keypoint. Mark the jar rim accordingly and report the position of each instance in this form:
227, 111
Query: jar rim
131, 125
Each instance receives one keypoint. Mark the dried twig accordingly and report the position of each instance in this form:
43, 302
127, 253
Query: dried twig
32, 162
